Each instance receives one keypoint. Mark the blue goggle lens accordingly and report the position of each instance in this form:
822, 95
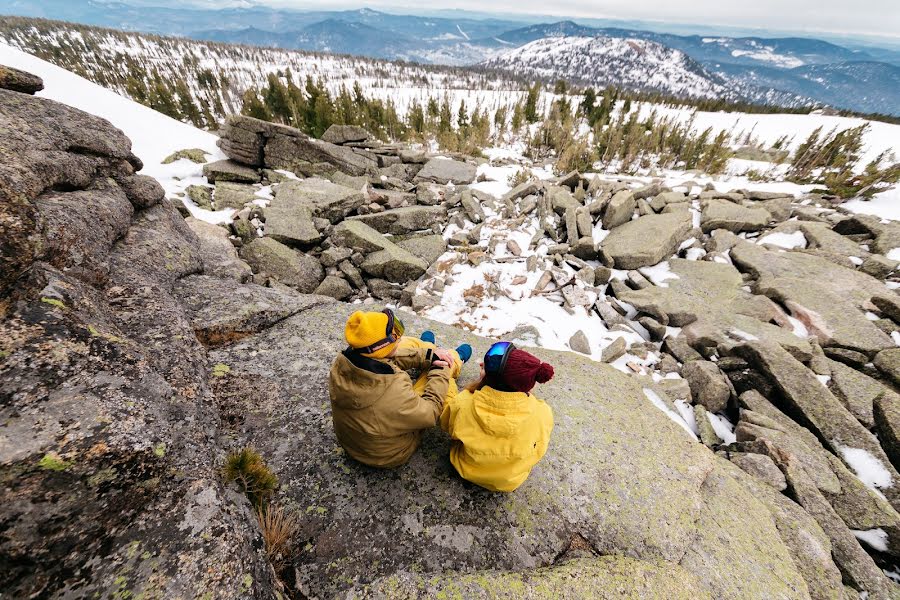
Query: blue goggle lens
493, 358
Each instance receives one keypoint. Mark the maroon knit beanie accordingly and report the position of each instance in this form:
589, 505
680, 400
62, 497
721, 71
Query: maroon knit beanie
523, 370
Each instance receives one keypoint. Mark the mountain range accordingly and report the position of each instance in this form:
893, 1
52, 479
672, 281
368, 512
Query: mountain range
779, 70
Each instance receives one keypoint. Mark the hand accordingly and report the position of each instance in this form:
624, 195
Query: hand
443, 356
440, 364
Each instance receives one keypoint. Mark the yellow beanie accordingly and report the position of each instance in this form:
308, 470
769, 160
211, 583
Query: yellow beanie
367, 328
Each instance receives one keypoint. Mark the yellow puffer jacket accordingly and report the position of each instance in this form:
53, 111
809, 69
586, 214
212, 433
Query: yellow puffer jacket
497, 437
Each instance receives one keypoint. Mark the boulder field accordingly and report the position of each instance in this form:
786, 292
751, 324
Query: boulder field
137, 350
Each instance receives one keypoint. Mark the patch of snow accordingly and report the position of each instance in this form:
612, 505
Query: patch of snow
686, 411
895, 335
855, 260
658, 403
659, 274
870, 470
749, 337
824, 379
894, 254
800, 329
788, 241
877, 539
723, 427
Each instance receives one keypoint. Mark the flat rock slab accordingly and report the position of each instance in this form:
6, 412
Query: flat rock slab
619, 210
722, 214
638, 486
229, 170
20, 81
805, 395
647, 240
706, 298
444, 171
322, 197
427, 247
223, 312
828, 316
219, 256
342, 134
604, 578
229, 194
359, 236
292, 268
394, 264
402, 221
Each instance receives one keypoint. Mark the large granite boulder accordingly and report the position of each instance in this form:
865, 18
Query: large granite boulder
219, 256
646, 240
723, 214
444, 171
19, 81
110, 469
261, 144
343, 134
295, 269
619, 210
402, 221
707, 299
394, 264
229, 170
324, 198
640, 487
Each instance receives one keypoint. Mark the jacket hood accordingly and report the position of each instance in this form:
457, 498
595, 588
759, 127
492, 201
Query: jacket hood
502, 414
354, 387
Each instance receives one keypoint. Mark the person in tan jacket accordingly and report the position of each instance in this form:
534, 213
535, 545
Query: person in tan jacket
377, 410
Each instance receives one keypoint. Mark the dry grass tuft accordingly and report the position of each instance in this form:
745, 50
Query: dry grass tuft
279, 529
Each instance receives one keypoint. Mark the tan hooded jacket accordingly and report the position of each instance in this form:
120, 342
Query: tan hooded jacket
378, 413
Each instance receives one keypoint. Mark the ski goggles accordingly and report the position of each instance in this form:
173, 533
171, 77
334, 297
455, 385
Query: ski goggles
394, 331
496, 356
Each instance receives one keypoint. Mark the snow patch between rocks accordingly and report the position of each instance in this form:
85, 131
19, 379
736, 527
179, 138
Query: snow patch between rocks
875, 538
870, 470
788, 241
658, 403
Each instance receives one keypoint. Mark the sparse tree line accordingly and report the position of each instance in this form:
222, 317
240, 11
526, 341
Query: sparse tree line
201, 82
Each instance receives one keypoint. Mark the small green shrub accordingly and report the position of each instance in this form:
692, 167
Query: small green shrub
519, 177
247, 468
52, 462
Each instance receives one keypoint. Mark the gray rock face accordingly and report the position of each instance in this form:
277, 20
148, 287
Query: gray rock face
805, 395
233, 195
707, 300
334, 287
647, 240
394, 264
342, 134
619, 210
260, 144
107, 451
427, 247
694, 493
402, 221
709, 386
294, 269
219, 256
323, 198
357, 235
19, 81
223, 312
722, 214
762, 467
579, 343
229, 170
444, 171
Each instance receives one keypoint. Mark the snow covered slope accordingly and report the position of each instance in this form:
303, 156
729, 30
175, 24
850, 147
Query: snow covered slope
601, 61
153, 135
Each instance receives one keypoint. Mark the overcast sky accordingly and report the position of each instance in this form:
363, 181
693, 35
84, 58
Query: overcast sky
878, 17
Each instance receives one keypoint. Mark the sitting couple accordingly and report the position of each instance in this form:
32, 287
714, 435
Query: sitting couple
498, 430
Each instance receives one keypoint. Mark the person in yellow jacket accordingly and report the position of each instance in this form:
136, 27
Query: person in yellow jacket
498, 429
377, 410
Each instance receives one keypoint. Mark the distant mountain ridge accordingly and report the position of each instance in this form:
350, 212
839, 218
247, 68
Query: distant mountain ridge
756, 68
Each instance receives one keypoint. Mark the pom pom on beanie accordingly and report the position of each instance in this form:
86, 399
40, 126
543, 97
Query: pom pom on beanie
544, 373
523, 370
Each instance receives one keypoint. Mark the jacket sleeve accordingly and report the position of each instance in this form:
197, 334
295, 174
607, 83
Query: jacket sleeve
450, 410
422, 411
412, 358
